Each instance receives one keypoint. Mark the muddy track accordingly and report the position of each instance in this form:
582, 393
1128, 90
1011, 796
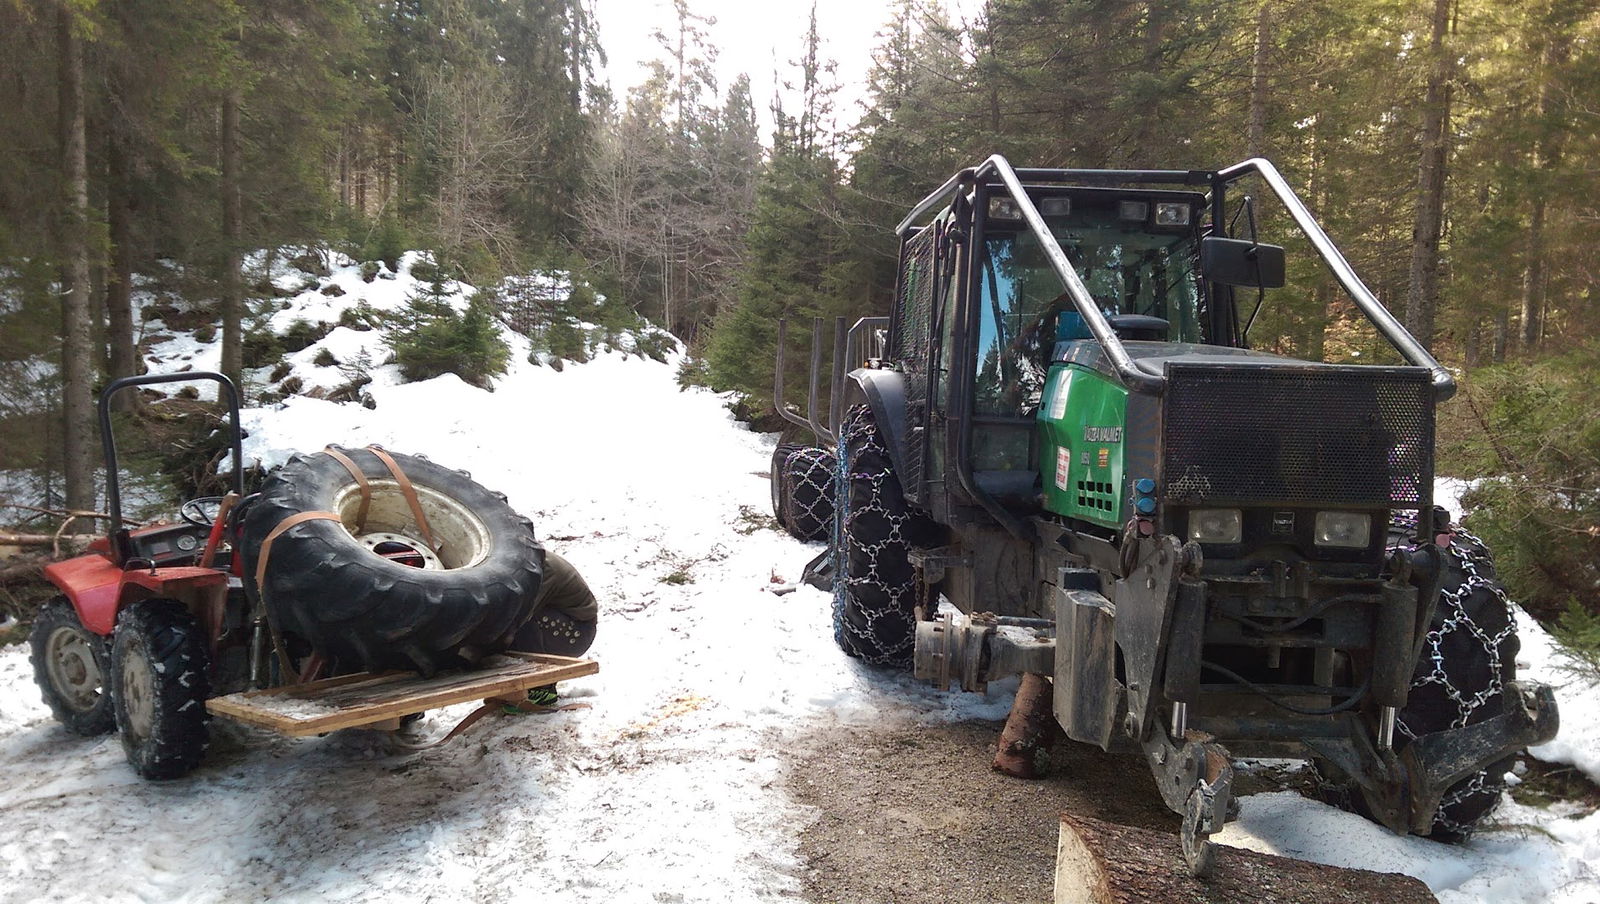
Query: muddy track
913, 813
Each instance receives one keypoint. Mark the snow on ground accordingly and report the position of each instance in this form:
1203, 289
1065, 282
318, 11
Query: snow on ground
665, 789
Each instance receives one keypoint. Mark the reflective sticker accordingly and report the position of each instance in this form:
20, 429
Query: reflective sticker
1085, 458
1063, 462
1105, 458
1058, 402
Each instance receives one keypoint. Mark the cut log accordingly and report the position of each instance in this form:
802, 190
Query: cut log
1104, 863
1024, 747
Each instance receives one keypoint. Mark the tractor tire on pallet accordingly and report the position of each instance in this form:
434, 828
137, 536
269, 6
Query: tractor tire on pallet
160, 682
808, 477
71, 666
875, 588
375, 595
780, 490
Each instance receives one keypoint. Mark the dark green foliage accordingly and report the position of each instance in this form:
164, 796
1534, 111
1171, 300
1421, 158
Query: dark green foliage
261, 347
1578, 630
430, 338
324, 358
1519, 426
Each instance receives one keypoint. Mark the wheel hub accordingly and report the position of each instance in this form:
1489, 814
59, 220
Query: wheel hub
401, 549
74, 671
138, 696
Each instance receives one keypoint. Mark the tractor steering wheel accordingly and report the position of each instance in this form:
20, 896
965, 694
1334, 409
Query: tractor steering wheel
201, 511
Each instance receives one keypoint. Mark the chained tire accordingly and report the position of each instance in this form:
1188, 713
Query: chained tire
780, 489
374, 594
1460, 678
160, 682
875, 588
808, 477
70, 665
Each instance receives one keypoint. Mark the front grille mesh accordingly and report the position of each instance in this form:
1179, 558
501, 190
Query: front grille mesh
1273, 434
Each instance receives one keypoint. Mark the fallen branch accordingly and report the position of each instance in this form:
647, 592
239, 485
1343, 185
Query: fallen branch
54, 541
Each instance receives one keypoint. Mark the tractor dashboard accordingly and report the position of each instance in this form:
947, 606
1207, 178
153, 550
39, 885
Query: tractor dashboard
168, 544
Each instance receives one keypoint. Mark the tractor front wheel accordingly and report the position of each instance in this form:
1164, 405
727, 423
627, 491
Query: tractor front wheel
875, 588
160, 682
70, 665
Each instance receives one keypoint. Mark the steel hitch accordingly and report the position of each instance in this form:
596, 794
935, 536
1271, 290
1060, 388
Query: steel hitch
1196, 782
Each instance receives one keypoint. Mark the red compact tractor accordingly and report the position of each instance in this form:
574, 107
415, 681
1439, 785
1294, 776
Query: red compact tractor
379, 559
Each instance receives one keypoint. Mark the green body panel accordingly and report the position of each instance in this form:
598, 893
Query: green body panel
1081, 434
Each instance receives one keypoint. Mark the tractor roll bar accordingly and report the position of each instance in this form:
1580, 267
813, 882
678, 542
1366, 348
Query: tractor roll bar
1444, 386
108, 442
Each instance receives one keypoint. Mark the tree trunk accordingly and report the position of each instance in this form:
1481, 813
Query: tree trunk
232, 281
1256, 136
1103, 863
1546, 151
76, 354
119, 286
1422, 294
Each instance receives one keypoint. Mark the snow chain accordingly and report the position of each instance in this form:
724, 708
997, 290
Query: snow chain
898, 599
1452, 617
811, 508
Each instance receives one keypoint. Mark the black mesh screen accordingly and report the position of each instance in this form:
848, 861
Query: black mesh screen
1287, 435
916, 302
911, 342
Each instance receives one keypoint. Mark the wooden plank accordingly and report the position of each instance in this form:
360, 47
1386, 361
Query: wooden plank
1103, 863
365, 699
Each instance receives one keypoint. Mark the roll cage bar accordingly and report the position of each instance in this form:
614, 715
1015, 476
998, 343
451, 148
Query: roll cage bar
997, 169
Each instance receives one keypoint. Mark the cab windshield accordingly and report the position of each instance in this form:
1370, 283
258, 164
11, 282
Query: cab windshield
1024, 308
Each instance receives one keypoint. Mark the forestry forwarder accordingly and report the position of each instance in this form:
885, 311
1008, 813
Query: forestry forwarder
1205, 547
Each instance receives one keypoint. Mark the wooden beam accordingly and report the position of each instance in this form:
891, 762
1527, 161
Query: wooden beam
1104, 863
372, 699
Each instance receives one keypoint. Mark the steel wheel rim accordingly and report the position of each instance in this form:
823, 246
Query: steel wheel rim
138, 695
461, 536
74, 672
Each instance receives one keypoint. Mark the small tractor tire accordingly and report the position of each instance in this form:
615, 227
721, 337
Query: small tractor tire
875, 592
373, 594
808, 477
160, 682
780, 490
71, 666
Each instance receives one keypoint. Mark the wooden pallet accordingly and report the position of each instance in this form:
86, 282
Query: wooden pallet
379, 699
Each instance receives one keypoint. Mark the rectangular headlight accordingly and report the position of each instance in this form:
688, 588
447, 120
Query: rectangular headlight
1347, 530
1169, 213
1055, 207
1216, 526
1004, 208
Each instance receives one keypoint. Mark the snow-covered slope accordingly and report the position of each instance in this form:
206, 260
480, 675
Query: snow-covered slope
666, 788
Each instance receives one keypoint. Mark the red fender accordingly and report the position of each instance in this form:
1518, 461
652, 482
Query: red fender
99, 589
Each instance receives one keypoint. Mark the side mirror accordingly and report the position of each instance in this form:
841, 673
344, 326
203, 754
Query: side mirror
1238, 262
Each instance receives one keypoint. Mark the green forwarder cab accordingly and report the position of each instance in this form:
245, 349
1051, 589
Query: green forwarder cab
1209, 549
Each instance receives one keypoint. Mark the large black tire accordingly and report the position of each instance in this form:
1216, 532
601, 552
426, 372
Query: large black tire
780, 489
1460, 679
71, 666
808, 478
375, 596
875, 588
160, 681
